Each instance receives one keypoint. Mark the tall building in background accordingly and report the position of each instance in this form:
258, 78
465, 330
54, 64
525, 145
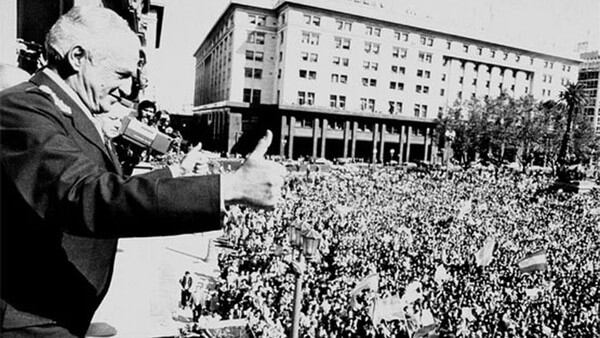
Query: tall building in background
589, 76
350, 78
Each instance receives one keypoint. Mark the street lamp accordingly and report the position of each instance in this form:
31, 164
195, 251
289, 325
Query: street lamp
307, 243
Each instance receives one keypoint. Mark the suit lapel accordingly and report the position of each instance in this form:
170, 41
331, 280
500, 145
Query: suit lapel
81, 122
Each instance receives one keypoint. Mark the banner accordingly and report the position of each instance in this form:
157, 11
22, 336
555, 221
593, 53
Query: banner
536, 261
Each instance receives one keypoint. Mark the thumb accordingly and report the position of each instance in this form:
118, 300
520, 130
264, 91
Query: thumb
261, 148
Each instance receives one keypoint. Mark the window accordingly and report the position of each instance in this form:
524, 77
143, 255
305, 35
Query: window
474, 83
401, 36
307, 74
251, 95
254, 55
258, 20
395, 107
279, 73
426, 41
442, 92
367, 104
443, 77
424, 74
337, 101
420, 110
341, 43
422, 89
343, 25
247, 94
257, 73
398, 52
371, 47
256, 37
448, 45
341, 61
306, 56
479, 50
461, 79
370, 65
339, 78
248, 72
398, 69
465, 48
256, 96
370, 30
312, 20
310, 38
367, 82
396, 85
306, 98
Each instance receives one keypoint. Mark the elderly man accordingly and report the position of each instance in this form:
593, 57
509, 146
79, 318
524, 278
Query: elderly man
64, 203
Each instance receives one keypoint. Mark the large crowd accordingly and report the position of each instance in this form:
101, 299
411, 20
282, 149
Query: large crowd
405, 226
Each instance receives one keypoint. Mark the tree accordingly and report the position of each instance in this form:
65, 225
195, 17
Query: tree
574, 98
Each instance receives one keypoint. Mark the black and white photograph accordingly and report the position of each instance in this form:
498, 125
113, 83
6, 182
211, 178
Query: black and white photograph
299, 168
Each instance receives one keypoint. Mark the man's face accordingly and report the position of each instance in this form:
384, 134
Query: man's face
101, 81
111, 121
146, 114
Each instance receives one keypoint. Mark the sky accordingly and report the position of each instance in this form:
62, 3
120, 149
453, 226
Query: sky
553, 26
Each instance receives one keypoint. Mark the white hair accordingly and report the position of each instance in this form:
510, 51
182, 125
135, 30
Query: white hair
100, 31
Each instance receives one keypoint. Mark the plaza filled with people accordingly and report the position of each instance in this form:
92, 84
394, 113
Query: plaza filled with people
419, 232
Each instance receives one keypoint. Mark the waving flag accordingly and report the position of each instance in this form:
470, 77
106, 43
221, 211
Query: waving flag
465, 208
428, 324
536, 261
484, 256
412, 292
370, 282
389, 308
441, 274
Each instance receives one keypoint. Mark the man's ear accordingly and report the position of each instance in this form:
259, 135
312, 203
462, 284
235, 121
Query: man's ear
76, 57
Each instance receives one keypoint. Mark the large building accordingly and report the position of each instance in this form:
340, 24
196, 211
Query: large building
349, 78
589, 76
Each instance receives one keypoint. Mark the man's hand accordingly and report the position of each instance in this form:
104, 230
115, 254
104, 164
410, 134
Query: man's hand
258, 181
195, 162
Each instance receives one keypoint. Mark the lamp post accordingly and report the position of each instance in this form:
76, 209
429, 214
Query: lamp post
307, 243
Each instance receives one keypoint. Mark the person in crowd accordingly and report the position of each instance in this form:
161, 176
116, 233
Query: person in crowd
406, 226
146, 112
64, 203
186, 282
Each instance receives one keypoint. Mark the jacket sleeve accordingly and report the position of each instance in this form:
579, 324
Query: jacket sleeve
68, 189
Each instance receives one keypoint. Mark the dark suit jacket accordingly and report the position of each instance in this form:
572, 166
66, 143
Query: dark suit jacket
64, 204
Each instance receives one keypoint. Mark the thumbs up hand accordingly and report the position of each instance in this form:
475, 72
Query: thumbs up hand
258, 181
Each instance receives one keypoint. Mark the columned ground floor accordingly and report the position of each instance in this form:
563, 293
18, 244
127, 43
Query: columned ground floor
311, 133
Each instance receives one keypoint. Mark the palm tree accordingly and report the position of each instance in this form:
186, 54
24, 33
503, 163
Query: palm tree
574, 97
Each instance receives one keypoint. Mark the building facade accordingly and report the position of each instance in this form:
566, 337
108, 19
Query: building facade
350, 79
589, 76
